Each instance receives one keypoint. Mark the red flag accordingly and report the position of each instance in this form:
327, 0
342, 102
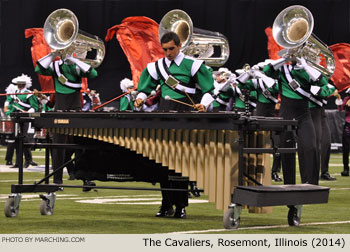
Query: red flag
272, 47
341, 75
40, 49
138, 37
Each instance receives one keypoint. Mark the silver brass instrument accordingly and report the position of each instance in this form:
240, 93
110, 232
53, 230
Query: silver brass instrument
292, 29
61, 32
195, 42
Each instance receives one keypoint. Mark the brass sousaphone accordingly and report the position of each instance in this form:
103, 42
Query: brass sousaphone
196, 42
292, 30
61, 32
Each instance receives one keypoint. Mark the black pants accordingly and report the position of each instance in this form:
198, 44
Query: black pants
346, 147
14, 145
268, 110
63, 102
306, 143
170, 198
10, 150
323, 137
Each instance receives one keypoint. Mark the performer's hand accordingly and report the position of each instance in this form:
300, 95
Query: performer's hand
138, 102
277, 106
200, 107
348, 103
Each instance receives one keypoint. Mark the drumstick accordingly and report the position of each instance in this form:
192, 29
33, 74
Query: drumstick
184, 103
41, 92
188, 96
18, 108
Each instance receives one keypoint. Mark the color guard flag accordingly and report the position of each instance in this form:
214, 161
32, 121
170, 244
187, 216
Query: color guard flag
138, 37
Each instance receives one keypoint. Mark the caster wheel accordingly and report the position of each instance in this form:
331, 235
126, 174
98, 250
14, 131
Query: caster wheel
293, 218
231, 218
45, 208
10, 209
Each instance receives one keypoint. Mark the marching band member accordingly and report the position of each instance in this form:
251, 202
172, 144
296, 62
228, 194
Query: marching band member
295, 80
267, 99
127, 101
24, 103
67, 73
345, 105
223, 90
320, 121
11, 89
177, 75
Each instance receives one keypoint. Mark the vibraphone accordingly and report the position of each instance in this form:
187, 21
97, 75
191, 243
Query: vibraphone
216, 150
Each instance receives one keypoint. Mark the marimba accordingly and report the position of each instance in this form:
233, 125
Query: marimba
216, 150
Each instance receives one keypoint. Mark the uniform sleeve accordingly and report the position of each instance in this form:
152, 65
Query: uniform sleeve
124, 103
33, 101
271, 72
146, 83
248, 85
40, 70
204, 79
326, 88
90, 75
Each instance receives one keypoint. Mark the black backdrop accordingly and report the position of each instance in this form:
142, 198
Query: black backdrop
241, 21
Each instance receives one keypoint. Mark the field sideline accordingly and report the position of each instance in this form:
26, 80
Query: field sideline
132, 212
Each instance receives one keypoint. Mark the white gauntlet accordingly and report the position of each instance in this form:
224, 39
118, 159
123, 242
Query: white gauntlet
312, 72
207, 99
277, 64
82, 65
46, 60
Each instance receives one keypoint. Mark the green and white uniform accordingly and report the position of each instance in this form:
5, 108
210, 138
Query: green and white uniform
23, 102
189, 71
71, 72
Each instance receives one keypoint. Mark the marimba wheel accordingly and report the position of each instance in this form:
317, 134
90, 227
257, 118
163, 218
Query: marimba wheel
232, 217
45, 208
10, 209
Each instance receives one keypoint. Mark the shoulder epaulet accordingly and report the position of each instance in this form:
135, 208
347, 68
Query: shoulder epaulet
151, 68
195, 65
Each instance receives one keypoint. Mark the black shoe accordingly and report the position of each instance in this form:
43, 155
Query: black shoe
33, 163
345, 173
165, 212
328, 177
26, 165
88, 183
9, 163
15, 166
180, 213
71, 177
275, 177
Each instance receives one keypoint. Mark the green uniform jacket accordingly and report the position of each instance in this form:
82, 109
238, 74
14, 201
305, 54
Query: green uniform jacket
23, 101
297, 73
188, 70
70, 71
126, 103
325, 91
260, 96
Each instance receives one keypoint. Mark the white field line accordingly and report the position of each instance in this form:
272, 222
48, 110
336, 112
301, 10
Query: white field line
260, 227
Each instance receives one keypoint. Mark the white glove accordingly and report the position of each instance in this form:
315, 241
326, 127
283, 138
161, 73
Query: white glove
312, 72
207, 99
46, 60
277, 64
83, 66
267, 80
244, 77
338, 102
31, 110
315, 90
255, 67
